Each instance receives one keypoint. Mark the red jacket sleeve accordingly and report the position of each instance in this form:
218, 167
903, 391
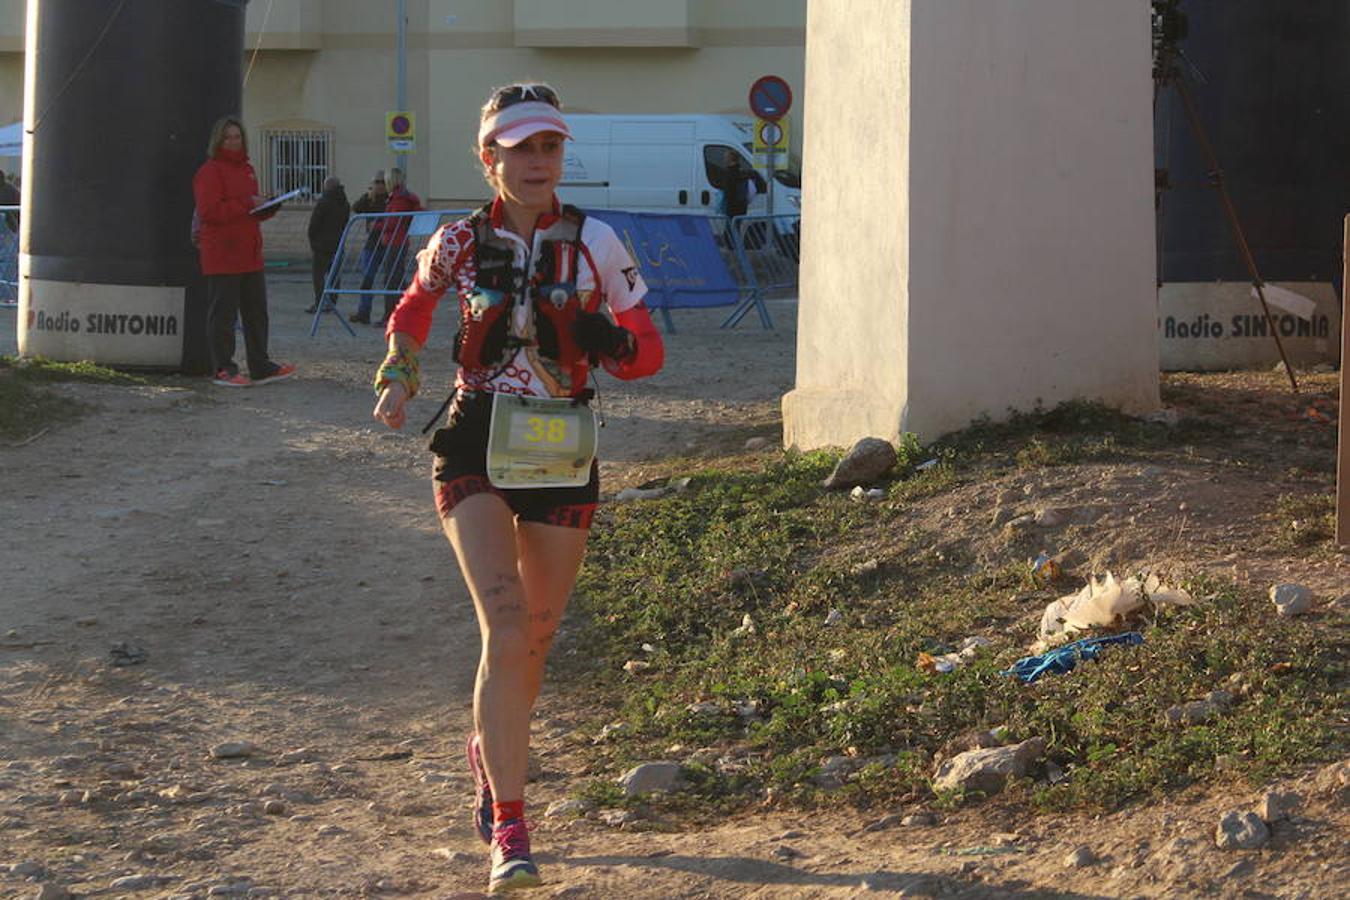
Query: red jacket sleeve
651, 352
413, 314
214, 207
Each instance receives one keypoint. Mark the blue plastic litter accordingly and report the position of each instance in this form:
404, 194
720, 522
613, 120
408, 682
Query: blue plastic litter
1063, 659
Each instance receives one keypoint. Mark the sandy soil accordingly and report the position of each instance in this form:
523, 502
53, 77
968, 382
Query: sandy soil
269, 561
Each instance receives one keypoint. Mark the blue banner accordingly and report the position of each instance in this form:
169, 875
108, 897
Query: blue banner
678, 256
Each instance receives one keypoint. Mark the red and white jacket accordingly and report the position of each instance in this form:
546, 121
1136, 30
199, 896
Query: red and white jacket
605, 268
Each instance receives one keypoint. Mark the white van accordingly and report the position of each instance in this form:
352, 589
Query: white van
654, 163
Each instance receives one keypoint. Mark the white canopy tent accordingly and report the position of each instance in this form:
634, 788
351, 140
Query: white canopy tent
11, 140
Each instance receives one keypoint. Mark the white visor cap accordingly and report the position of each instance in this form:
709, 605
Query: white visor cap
517, 122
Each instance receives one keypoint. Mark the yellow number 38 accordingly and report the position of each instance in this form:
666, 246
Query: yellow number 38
549, 430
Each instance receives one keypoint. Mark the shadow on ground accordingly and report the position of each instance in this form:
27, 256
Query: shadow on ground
747, 871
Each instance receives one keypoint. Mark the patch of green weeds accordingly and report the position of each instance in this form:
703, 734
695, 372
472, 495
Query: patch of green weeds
25, 408
1073, 432
793, 684
38, 369
1303, 522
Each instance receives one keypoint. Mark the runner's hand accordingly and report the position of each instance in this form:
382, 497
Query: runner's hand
390, 408
595, 333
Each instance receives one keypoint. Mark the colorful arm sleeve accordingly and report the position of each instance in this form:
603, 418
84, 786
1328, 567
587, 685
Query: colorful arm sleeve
399, 367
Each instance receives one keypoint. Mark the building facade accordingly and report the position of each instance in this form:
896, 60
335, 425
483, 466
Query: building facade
321, 76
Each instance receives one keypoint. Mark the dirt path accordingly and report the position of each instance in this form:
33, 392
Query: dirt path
269, 563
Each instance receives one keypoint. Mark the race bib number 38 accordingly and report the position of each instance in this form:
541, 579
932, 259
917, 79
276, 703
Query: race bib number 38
538, 442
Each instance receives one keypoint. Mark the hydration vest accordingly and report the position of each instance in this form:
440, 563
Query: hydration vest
550, 288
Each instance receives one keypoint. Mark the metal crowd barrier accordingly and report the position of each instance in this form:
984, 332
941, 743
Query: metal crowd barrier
760, 252
9, 256
366, 266
767, 250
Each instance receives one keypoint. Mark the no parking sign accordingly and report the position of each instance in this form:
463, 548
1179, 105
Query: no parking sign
770, 97
400, 129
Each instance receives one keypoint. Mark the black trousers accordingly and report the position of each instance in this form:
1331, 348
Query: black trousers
321, 263
387, 267
243, 295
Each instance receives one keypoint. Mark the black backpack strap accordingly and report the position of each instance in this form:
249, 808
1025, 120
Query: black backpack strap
577, 218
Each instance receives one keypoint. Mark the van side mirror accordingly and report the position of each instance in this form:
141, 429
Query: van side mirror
684, 198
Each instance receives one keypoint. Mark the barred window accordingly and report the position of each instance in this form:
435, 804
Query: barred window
298, 159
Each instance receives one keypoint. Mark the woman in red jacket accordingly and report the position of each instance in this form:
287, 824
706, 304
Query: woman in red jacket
543, 293
230, 248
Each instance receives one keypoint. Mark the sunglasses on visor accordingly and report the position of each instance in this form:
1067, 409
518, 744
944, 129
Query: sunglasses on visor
522, 93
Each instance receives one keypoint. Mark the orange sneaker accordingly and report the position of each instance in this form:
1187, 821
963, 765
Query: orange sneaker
226, 378
280, 372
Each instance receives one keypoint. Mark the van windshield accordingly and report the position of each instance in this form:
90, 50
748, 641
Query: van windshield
716, 162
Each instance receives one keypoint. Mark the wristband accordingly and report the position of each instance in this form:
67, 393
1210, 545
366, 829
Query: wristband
399, 367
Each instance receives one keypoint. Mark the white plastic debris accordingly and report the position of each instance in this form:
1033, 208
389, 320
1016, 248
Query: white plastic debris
863, 495
950, 662
1105, 602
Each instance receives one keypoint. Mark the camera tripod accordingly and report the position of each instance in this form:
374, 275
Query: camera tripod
1169, 26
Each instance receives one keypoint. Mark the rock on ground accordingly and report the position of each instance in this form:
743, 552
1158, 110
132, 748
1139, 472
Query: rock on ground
234, 749
869, 459
1277, 805
1291, 599
1197, 712
652, 777
1241, 831
988, 769
1080, 858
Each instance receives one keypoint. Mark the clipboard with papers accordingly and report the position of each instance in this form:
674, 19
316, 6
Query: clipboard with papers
276, 201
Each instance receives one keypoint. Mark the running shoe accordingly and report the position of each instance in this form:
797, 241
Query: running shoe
280, 372
512, 867
226, 378
482, 797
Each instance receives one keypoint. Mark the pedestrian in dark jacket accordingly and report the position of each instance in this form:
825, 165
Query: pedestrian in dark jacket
393, 250
230, 248
326, 224
372, 201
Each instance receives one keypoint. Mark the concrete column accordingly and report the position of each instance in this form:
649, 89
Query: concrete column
979, 214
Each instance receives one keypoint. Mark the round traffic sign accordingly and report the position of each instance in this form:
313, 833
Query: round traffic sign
770, 133
770, 97
400, 125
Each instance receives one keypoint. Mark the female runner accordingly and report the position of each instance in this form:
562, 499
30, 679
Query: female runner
515, 477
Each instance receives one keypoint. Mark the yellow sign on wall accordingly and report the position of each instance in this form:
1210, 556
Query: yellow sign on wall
771, 134
400, 129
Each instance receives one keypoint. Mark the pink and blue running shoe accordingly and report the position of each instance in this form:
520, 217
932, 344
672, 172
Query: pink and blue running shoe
512, 867
482, 799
